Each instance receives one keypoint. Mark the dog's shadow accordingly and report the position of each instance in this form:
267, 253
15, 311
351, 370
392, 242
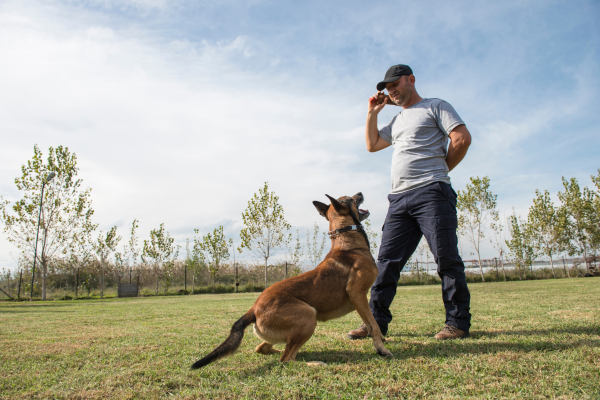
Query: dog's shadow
404, 346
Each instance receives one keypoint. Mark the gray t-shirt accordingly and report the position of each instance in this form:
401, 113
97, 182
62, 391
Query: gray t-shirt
419, 135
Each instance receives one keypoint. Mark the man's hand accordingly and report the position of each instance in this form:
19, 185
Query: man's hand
460, 140
376, 104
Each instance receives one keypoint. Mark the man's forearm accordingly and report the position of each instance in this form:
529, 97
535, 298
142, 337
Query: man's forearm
460, 140
371, 131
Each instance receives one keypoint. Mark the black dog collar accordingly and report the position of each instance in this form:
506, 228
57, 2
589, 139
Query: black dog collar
336, 232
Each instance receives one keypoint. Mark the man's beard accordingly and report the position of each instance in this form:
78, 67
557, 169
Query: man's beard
401, 98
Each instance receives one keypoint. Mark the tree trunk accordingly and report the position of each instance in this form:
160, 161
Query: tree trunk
480, 267
156, 291
266, 259
565, 268
552, 265
585, 259
19, 289
102, 278
44, 270
497, 272
427, 276
193, 279
418, 272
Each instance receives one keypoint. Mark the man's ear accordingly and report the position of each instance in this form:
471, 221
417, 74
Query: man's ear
321, 208
339, 207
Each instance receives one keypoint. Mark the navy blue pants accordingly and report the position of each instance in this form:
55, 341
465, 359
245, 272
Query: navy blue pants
428, 211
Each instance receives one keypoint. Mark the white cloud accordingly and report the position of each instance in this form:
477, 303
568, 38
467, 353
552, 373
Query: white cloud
163, 134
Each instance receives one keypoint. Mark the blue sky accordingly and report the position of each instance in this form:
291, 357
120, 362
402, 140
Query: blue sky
179, 110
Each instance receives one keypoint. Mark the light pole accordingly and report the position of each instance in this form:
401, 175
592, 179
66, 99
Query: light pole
48, 178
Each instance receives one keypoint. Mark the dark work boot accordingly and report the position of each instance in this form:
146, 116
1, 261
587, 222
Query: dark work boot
451, 332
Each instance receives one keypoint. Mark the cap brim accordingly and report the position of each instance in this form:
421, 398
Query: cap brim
381, 85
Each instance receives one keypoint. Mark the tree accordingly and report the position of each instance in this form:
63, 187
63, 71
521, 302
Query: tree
520, 247
595, 243
314, 250
580, 219
199, 264
373, 237
498, 243
159, 249
168, 269
294, 254
214, 250
66, 209
265, 225
546, 225
131, 252
193, 259
477, 209
422, 249
104, 246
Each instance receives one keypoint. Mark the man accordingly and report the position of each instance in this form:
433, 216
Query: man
429, 140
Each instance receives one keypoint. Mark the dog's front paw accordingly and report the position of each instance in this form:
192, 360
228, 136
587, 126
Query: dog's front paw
385, 353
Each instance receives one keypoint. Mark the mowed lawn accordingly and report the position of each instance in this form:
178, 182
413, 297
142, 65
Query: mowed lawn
532, 339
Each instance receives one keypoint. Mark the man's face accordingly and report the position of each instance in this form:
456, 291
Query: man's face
399, 90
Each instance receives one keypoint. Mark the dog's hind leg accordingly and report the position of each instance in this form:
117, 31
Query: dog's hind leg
266, 348
299, 334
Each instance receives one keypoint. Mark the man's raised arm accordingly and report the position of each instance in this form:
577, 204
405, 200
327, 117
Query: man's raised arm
374, 141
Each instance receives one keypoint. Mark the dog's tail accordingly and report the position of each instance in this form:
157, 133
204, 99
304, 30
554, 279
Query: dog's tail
231, 344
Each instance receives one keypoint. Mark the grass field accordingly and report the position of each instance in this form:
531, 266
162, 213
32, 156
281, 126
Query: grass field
530, 339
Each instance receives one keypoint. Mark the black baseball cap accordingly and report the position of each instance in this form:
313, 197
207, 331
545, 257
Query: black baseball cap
393, 74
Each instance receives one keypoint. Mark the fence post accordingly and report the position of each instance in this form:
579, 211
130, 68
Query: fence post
138, 285
286, 273
184, 278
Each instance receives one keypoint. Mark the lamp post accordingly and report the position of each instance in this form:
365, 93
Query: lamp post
48, 178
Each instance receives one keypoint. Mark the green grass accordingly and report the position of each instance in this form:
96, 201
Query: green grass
530, 339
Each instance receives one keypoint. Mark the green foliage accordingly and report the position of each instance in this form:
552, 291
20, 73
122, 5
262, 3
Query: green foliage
314, 249
265, 225
159, 249
520, 246
477, 211
581, 220
104, 246
547, 225
193, 259
214, 249
295, 253
66, 212
373, 237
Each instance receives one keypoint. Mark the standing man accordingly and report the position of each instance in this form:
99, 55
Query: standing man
429, 140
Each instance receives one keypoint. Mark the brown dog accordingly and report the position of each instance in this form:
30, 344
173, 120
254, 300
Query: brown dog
288, 311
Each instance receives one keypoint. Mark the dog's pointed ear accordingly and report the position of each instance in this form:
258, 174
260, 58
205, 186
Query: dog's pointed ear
322, 208
339, 207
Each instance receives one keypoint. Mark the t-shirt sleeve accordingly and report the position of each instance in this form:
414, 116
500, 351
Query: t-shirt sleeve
386, 131
446, 117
